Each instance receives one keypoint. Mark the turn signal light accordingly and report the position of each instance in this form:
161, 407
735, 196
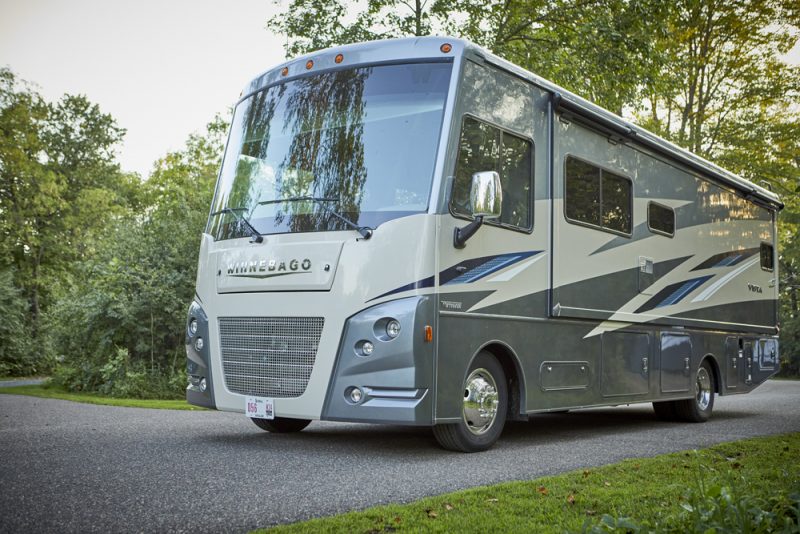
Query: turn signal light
428, 333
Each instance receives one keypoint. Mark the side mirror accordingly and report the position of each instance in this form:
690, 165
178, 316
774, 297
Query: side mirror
486, 195
486, 201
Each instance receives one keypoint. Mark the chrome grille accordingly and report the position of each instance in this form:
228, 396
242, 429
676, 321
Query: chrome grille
269, 356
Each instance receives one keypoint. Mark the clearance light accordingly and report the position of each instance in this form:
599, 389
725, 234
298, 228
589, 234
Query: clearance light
445, 48
309, 64
428, 333
339, 58
284, 71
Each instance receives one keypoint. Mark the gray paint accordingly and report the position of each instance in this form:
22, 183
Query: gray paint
397, 378
197, 363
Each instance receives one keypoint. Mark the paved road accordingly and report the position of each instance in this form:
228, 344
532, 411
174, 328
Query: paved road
67, 467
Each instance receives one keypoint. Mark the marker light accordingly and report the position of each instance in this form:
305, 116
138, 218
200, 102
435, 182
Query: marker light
367, 348
393, 328
198, 344
339, 58
309, 64
355, 395
445, 48
284, 71
193, 326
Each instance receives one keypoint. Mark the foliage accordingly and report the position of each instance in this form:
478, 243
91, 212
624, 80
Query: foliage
16, 357
637, 495
59, 187
52, 391
120, 331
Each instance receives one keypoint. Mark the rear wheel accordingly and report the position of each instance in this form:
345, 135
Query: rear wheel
484, 407
698, 409
281, 425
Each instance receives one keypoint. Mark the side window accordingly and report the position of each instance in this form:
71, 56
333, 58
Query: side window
483, 147
767, 257
661, 219
597, 197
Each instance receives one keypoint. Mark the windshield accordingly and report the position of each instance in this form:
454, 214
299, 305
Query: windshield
364, 138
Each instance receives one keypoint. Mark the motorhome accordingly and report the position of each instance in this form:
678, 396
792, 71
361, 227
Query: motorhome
417, 232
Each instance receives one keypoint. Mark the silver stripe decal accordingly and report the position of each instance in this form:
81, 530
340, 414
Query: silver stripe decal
511, 273
716, 286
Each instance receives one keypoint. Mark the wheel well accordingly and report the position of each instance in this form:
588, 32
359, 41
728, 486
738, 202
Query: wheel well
715, 370
514, 379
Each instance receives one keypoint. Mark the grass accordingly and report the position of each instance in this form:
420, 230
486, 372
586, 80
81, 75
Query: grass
49, 392
656, 493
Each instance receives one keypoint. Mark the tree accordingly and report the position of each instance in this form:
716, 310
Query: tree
120, 329
59, 186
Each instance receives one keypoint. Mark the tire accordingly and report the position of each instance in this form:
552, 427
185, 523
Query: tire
484, 408
281, 425
698, 409
665, 410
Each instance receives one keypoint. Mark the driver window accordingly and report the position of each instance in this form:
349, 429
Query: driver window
484, 147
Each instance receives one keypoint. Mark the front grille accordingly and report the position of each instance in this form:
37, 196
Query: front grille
269, 356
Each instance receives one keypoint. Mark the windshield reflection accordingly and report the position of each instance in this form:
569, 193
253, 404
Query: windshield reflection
366, 137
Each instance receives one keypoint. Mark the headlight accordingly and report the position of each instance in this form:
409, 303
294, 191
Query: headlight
198, 344
193, 326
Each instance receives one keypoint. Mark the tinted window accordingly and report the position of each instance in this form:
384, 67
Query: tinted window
483, 147
597, 197
364, 139
767, 257
661, 219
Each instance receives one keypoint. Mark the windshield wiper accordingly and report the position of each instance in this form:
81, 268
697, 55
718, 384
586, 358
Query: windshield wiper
255, 236
365, 231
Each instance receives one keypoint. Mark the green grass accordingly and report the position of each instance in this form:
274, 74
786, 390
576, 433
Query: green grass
49, 392
651, 491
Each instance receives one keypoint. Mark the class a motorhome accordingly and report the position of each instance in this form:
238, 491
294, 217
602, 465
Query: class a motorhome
418, 232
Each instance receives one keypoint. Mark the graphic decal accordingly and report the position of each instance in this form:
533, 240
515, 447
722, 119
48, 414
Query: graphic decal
472, 270
727, 259
673, 293
716, 286
468, 271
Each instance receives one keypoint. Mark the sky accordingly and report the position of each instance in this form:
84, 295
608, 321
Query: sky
161, 68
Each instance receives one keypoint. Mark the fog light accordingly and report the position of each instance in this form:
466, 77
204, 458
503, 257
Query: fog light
355, 395
367, 348
203, 385
193, 326
198, 344
393, 328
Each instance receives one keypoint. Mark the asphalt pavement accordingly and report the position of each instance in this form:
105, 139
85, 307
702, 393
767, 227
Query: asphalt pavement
69, 467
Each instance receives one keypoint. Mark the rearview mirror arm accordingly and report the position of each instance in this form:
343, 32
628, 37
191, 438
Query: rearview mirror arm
461, 235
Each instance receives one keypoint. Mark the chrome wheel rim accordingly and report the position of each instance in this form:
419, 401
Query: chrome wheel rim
480, 401
703, 389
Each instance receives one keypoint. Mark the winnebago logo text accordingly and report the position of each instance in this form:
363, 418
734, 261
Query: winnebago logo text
268, 268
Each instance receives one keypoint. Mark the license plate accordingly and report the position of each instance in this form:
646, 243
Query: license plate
259, 407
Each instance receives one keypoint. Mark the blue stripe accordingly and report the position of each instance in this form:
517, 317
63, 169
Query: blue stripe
686, 288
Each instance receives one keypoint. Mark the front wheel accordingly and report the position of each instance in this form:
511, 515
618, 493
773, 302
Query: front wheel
281, 425
484, 408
